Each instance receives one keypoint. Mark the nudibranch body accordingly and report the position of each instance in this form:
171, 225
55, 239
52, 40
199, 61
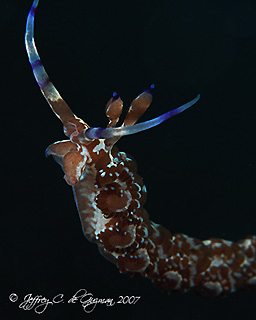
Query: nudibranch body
110, 196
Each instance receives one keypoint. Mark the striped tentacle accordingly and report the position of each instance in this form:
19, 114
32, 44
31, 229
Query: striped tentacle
129, 126
58, 105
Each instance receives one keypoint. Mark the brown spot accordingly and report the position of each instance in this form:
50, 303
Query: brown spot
210, 289
113, 199
173, 280
137, 262
117, 236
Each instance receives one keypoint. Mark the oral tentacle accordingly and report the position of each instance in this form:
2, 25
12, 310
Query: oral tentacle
51, 94
104, 133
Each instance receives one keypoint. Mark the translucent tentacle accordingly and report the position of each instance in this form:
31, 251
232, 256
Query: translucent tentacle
58, 105
114, 109
138, 107
103, 133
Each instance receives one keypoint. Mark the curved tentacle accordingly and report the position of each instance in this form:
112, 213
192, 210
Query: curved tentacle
58, 105
104, 133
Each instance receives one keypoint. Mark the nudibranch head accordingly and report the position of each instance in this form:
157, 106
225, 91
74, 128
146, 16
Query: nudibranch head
89, 144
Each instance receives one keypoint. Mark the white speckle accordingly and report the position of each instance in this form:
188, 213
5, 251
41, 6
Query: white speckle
139, 187
175, 276
217, 245
232, 282
216, 263
228, 243
252, 281
112, 164
237, 274
100, 146
194, 257
246, 243
214, 286
80, 167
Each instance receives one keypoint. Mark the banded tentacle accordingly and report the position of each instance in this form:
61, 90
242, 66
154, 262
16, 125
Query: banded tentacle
56, 102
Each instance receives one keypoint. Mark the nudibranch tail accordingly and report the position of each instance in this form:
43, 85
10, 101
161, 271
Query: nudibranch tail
104, 133
58, 105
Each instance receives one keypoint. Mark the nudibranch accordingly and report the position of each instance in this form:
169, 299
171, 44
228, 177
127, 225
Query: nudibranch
110, 196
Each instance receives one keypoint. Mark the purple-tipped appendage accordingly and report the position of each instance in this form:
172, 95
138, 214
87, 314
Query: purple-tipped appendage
101, 133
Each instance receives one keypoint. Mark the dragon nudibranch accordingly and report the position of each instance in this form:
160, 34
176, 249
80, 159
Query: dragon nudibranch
110, 196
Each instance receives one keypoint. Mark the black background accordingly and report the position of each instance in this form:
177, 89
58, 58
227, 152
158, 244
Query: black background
199, 167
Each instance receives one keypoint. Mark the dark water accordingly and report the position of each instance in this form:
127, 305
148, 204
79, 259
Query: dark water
199, 167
